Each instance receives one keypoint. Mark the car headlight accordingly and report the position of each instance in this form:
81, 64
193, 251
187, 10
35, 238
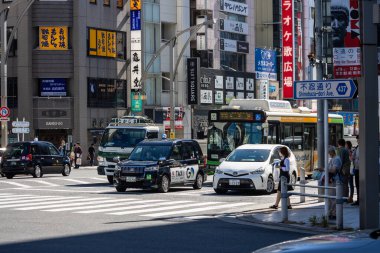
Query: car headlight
259, 170
100, 159
218, 171
151, 169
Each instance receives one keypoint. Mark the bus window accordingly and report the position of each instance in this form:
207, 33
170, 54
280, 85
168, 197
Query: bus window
287, 136
272, 134
152, 135
298, 134
253, 133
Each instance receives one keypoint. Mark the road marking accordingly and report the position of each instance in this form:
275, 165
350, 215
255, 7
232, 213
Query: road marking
85, 207
17, 199
163, 208
161, 202
82, 203
9, 196
44, 182
100, 179
17, 184
75, 181
196, 210
48, 201
58, 190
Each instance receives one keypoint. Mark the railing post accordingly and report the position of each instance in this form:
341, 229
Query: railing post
302, 182
284, 199
339, 205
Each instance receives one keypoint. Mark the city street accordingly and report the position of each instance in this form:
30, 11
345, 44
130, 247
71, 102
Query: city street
83, 213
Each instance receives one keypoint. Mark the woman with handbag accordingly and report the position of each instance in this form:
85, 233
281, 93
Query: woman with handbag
284, 172
78, 155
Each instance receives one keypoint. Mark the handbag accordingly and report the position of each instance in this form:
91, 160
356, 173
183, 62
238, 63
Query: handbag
79, 161
316, 175
276, 174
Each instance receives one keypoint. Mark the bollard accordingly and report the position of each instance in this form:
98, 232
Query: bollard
302, 182
284, 199
339, 205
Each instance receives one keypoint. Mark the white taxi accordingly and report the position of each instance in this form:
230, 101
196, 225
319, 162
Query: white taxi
252, 167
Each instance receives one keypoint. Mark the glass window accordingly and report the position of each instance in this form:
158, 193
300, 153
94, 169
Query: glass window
106, 2
53, 150
106, 93
44, 149
287, 136
176, 152
298, 137
122, 137
249, 155
150, 152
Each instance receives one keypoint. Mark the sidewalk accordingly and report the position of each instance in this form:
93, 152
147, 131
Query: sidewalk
299, 217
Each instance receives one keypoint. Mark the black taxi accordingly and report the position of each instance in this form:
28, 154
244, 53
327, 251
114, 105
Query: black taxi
161, 164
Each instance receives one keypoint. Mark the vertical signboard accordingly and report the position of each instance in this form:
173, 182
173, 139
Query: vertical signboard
299, 47
265, 64
345, 24
287, 48
136, 66
192, 80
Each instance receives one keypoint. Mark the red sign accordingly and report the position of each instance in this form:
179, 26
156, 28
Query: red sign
345, 24
287, 49
4, 112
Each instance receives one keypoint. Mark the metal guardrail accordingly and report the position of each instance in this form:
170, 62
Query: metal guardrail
284, 196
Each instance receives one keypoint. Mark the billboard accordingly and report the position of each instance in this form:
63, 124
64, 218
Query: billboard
265, 64
345, 24
287, 48
53, 38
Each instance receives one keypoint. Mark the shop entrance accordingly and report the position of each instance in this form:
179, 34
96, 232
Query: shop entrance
53, 135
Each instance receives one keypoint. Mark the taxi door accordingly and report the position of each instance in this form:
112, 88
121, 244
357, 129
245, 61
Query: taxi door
177, 170
190, 161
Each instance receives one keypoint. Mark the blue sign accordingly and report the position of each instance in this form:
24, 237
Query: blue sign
265, 64
53, 87
348, 117
136, 20
324, 89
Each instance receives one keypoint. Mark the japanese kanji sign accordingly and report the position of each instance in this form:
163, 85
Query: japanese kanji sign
287, 48
53, 38
102, 43
136, 70
325, 89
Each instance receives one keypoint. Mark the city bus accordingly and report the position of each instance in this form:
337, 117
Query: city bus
259, 121
119, 139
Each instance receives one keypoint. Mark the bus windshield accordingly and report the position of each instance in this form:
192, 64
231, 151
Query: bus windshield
225, 137
122, 137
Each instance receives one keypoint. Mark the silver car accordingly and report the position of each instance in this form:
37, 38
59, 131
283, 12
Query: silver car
360, 241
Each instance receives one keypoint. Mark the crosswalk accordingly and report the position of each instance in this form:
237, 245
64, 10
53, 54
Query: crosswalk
153, 208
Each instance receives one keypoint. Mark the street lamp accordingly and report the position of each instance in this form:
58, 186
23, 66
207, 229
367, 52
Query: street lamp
173, 71
4, 58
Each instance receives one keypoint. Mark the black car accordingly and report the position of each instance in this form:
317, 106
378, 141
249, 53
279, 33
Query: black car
160, 164
35, 158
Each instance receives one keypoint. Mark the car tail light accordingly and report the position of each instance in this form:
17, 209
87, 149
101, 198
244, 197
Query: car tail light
205, 161
28, 157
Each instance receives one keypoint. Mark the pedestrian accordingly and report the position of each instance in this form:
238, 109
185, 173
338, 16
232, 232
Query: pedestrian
335, 164
284, 172
91, 154
72, 156
62, 147
78, 155
351, 179
344, 171
355, 159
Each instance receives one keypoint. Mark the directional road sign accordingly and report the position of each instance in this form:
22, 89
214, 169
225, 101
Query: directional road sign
20, 124
324, 89
20, 130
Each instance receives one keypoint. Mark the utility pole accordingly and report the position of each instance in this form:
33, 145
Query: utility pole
368, 118
4, 75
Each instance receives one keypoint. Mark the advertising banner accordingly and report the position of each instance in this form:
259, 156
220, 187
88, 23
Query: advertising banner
234, 46
234, 7
136, 71
192, 80
345, 24
233, 26
287, 48
135, 20
53, 87
53, 38
135, 5
265, 64
103, 43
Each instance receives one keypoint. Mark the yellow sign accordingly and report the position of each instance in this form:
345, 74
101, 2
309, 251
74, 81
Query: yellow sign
102, 43
53, 38
172, 135
135, 5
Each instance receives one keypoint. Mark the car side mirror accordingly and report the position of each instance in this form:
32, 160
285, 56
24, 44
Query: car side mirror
116, 159
222, 160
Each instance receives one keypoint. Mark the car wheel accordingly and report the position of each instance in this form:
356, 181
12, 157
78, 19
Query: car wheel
198, 182
66, 170
9, 176
37, 171
220, 191
110, 179
164, 184
121, 187
270, 185
293, 180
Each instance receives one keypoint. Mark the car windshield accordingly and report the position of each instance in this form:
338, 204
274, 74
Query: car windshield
16, 150
150, 153
122, 137
248, 155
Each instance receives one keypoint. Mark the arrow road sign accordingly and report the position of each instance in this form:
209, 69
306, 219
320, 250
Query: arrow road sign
20, 130
324, 89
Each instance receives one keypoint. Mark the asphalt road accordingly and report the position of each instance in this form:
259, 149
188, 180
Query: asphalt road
83, 213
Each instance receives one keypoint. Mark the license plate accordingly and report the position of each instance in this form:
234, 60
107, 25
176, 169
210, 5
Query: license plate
130, 179
234, 182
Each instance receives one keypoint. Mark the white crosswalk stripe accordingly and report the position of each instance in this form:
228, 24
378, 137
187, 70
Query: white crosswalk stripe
154, 208
75, 181
44, 182
16, 184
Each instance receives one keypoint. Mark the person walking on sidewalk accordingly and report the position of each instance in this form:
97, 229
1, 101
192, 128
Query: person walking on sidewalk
284, 172
355, 159
351, 179
78, 155
91, 153
335, 164
344, 171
